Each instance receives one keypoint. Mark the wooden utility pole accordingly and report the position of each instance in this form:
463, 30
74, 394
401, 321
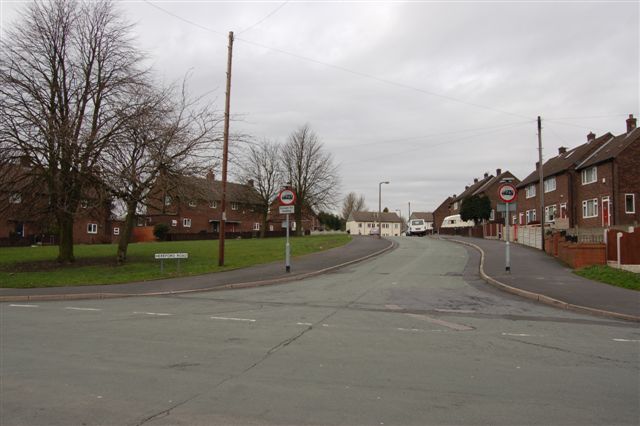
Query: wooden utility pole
225, 155
541, 177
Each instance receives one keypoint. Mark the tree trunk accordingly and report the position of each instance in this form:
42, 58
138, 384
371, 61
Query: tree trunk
298, 217
263, 228
125, 236
65, 247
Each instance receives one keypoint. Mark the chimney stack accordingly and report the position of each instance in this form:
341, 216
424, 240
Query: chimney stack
591, 136
475, 180
466, 187
486, 175
631, 123
498, 172
562, 150
250, 182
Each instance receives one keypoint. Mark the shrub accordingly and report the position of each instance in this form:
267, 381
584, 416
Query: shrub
161, 230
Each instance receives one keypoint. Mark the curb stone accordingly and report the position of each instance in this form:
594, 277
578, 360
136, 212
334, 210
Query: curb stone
249, 284
541, 298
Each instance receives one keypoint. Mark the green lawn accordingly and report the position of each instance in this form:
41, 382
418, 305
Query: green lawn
611, 276
26, 267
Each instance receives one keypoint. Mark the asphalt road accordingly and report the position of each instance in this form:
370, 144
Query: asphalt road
412, 337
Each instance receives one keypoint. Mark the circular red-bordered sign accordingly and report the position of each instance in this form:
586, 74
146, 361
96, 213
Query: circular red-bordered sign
507, 193
287, 197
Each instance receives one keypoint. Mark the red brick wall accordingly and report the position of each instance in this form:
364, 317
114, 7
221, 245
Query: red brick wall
627, 181
629, 247
602, 187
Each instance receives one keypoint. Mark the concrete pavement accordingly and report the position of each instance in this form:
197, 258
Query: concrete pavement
540, 277
358, 249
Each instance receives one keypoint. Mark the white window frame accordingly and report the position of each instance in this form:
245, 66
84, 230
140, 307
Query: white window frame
84, 204
492, 215
168, 200
585, 208
550, 184
550, 213
530, 190
193, 203
174, 222
521, 219
563, 206
213, 204
186, 222
235, 205
256, 226
92, 228
455, 205
15, 198
585, 175
633, 203
116, 231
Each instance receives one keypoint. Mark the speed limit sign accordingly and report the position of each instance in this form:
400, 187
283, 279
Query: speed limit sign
507, 193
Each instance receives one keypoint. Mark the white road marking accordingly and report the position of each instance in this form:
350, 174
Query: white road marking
24, 306
451, 325
417, 330
303, 323
82, 309
522, 335
455, 311
159, 314
625, 340
233, 319
393, 307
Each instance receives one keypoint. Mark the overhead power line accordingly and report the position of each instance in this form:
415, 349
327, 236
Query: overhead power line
273, 12
344, 69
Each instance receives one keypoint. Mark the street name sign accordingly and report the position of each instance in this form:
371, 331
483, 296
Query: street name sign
172, 255
287, 209
502, 207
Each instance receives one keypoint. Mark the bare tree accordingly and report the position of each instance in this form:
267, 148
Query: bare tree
66, 70
310, 172
263, 167
352, 203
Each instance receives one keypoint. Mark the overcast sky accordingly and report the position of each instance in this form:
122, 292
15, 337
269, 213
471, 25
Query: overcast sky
426, 95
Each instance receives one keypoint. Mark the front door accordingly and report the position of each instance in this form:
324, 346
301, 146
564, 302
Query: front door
606, 217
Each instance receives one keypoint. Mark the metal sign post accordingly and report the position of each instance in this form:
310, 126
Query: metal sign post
287, 206
507, 193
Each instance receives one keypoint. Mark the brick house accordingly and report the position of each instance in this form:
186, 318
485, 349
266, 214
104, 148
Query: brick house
608, 182
469, 190
362, 223
607, 165
442, 211
490, 188
190, 204
27, 217
277, 221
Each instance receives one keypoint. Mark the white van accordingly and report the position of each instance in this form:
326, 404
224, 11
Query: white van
417, 227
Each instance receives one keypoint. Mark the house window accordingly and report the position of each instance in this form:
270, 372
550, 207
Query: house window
174, 222
15, 198
84, 204
235, 206
116, 231
531, 216
270, 227
530, 191
395, 226
550, 184
213, 204
359, 225
192, 203
629, 203
590, 208
492, 216
563, 210
521, 219
186, 223
550, 213
256, 226
590, 175
167, 200
455, 205
92, 228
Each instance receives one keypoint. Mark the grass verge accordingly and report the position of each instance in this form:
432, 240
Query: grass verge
613, 276
29, 267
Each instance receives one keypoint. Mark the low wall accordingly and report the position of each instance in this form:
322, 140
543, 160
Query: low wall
576, 255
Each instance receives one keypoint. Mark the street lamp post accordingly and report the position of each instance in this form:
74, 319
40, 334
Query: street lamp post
380, 207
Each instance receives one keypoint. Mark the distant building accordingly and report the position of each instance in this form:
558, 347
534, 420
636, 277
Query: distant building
364, 223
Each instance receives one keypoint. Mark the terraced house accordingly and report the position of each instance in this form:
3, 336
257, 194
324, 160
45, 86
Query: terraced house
594, 185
